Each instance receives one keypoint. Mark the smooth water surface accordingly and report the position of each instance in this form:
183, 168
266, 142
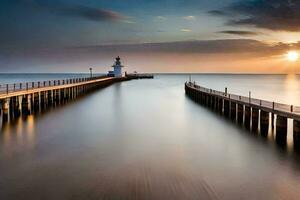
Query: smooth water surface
145, 139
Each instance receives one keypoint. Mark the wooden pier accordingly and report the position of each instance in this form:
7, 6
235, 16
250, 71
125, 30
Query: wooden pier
26, 98
140, 76
255, 114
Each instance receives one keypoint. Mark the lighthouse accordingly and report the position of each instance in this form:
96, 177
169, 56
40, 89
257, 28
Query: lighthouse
117, 72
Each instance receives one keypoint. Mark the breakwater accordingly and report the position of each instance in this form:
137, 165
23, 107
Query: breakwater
256, 115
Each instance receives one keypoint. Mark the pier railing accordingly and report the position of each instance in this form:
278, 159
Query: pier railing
14, 87
272, 106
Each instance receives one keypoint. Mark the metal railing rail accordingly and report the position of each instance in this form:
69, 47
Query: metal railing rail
15, 87
252, 101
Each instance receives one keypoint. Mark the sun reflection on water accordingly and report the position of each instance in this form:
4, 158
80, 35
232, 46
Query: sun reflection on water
291, 88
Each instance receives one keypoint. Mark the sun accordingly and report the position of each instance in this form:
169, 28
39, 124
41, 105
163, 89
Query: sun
292, 56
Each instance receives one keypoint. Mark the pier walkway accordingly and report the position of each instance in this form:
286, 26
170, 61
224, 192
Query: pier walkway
254, 114
26, 98
18, 89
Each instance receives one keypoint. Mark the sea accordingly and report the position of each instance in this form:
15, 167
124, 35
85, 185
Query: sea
145, 139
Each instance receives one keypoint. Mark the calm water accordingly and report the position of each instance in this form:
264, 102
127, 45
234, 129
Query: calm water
144, 139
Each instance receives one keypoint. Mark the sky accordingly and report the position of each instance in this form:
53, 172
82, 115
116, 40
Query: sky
192, 36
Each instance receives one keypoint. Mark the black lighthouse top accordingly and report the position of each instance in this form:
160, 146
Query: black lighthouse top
118, 60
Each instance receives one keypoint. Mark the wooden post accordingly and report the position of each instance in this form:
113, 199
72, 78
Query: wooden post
42, 100
281, 129
204, 98
240, 114
5, 110
264, 123
296, 133
255, 114
26, 105
15, 107
221, 105
233, 110
49, 97
247, 116
213, 101
207, 100
217, 103
272, 119
36, 102
56, 96
226, 107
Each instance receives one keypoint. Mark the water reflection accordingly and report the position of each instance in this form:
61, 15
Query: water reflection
291, 89
142, 140
17, 135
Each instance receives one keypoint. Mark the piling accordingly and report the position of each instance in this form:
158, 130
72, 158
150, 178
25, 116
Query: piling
36, 102
216, 103
272, 120
56, 96
62, 95
201, 98
5, 110
26, 105
226, 107
296, 133
50, 97
255, 116
220, 105
213, 102
233, 110
208, 100
43, 100
240, 115
281, 129
247, 117
15, 107
264, 122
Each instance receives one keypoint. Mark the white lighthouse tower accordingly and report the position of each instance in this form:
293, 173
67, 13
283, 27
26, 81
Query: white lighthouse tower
117, 72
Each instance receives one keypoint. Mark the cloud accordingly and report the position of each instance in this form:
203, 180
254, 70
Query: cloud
217, 13
241, 33
201, 51
232, 46
277, 15
225, 46
160, 18
185, 30
189, 18
78, 11
94, 14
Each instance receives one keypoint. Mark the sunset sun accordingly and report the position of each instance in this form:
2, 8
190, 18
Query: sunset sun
292, 56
